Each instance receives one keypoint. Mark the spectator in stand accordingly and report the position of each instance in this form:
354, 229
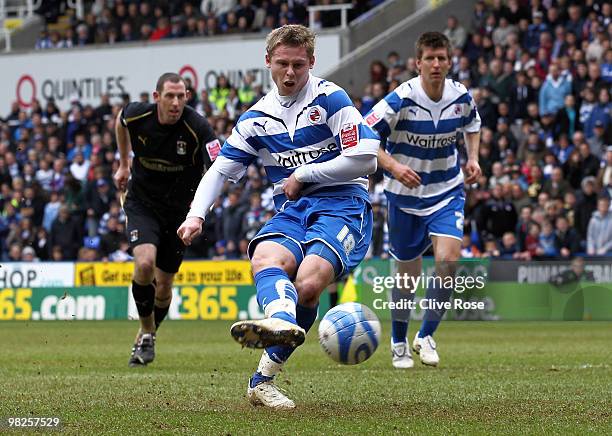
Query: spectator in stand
65, 234
604, 178
499, 215
600, 115
508, 247
554, 90
589, 163
567, 119
547, 241
567, 238
232, 219
556, 186
219, 94
586, 204
599, 236
455, 32
112, 238
498, 177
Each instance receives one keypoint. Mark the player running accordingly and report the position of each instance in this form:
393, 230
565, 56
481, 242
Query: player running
424, 182
172, 145
317, 151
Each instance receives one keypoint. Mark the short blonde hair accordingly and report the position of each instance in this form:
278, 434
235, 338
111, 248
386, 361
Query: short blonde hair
293, 35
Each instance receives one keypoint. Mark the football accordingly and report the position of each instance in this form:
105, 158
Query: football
349, 333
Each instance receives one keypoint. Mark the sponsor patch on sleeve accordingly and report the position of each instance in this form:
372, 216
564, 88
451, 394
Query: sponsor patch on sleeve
349, 135
372, 119
213, 148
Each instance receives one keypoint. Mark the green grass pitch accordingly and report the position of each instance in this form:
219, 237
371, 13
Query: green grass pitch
527, 378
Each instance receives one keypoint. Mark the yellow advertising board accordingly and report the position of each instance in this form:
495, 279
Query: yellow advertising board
229, 272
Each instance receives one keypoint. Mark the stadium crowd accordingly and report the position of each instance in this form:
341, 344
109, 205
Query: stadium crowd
541, 77
115, 21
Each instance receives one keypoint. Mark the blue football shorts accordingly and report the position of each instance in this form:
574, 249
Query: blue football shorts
410, 235
338, 229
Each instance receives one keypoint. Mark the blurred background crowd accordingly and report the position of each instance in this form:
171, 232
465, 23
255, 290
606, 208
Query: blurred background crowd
116, 21
539, 71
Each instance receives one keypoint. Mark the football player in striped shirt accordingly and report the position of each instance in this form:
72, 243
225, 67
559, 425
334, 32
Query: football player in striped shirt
317, 152
424, 182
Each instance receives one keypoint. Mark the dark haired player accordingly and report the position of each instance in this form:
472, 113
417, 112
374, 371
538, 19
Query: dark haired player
420, 121
172, 147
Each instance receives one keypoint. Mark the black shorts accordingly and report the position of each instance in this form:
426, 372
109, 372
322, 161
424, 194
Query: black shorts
146, 225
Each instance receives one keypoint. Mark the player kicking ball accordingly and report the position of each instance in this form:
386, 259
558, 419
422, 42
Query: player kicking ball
316, 151
424, 182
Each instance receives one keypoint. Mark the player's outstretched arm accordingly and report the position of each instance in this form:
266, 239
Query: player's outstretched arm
208, 190
402, 173
122, 174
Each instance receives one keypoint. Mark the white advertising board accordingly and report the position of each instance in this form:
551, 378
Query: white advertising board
86, 74
36, 274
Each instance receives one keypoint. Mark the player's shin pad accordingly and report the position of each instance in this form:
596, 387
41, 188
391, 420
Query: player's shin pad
276, 294
144, 297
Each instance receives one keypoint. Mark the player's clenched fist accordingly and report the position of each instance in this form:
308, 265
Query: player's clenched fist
190, 229
292, 188
404, 174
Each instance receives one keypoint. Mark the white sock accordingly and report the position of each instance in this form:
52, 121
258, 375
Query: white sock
267, 367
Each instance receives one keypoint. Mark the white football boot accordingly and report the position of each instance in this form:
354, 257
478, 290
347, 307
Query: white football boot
426, 349
269, 395
263, 333
401, 358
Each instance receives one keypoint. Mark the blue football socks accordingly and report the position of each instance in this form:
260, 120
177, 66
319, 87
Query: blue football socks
432, 317
276, 294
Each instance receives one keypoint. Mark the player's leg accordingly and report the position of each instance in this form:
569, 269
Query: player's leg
313, 276
406, 247
143, 232
333, 294
169, 258
163, 295
446, 230
273, 265
143, 291
274, 262
275, 255
335, 244
401, 357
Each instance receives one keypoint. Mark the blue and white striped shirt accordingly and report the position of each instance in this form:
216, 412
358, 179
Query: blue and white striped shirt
315, 126
422, 134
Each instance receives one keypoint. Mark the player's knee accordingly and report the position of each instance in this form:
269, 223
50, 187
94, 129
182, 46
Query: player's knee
163, 297
446, 263
265, 259
144, 269
163, 290
412, 268
448, 256
309, 289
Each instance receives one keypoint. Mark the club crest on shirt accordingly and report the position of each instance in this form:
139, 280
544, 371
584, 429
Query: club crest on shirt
134, 235
372, 119
349, 135
314, 115
213, 148
181, 148
457, 109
